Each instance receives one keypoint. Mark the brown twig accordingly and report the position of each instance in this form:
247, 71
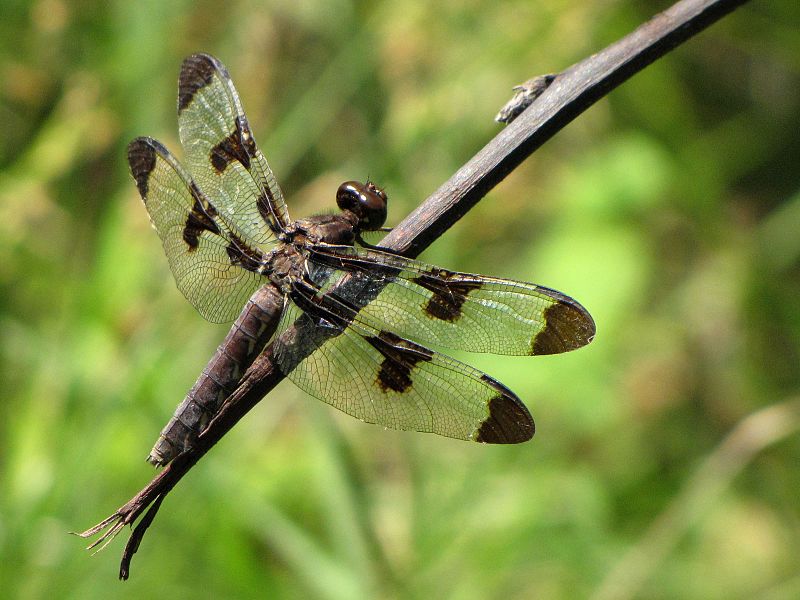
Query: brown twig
572, 92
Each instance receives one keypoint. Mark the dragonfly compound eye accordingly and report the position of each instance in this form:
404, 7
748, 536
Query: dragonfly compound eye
366, 201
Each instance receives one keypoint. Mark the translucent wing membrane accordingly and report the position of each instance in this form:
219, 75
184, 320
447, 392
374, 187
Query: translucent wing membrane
458, 310
221, 153
212, 265
376, 376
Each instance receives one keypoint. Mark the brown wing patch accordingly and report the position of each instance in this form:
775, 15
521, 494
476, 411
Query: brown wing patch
400, 358
509, 422
242, 255
197, 72
142, 160
265, 204
200, 219
567, 326
239, 146
449, 293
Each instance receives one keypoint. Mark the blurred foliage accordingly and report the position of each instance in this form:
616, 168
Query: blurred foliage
666, 459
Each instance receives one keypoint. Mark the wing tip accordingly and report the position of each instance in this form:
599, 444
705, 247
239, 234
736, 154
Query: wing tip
142, 155
569, 326
142, 160
509, 421
197, 71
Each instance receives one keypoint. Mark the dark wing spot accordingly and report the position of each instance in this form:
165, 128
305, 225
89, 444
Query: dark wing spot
567, 326
142, 160
400, 358
322, 306
197, 72
265, 203
200, 219
241, 255
239, 146
449, 290
509, 421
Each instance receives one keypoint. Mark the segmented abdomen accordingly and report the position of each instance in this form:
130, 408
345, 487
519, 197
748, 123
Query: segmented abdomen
247, 337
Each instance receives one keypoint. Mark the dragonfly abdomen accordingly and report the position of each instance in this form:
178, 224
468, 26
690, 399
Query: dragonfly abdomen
245, 340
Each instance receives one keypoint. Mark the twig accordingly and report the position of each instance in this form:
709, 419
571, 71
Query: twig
572, 92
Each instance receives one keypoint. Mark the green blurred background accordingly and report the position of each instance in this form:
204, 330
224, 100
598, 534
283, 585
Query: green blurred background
666, 458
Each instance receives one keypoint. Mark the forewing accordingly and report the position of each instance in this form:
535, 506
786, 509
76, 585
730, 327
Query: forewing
221, 153
213, 268
379, 377
457, 310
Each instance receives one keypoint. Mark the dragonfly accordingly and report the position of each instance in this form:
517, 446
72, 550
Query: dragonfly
350, 324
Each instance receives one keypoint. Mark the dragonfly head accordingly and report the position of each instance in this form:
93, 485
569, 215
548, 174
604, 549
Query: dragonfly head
365, 200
